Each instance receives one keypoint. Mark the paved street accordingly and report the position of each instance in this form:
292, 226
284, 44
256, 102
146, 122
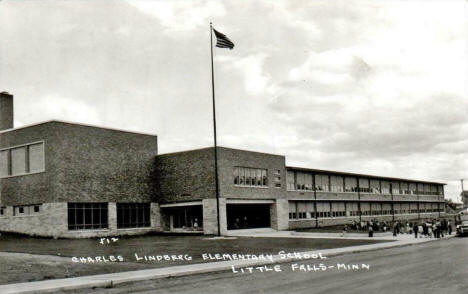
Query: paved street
434, 267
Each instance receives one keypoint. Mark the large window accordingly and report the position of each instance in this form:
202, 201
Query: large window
375, 186
22, 160
323, 209
301, 210
364, 185
321, 182
396, 187
303, 181
352, 208
385, 187
338, 209
87, 216
336, 183
404, 188
247, 176
376, 208
133, 215
350, 184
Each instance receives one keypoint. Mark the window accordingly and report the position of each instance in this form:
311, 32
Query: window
301, 210
420, 188
2, 211
352, 208
338, 209
365, 208
350, 184
375, 186
364, 185
321, 182
404, 188
385, 187
292, 210
18, 161
247, 176
22, 160
395, 187
87, 216
277, 178
4, 163
26, 209
413, 208
336, 183
133, 215
323, 209
290, 179
413, 189
303, 181
376, 208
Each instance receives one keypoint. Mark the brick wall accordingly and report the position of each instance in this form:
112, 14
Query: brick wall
229, 158
83, 164
185, 176
49, 222
52, 221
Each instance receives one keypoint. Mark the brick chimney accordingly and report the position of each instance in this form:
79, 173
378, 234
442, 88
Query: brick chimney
6, 111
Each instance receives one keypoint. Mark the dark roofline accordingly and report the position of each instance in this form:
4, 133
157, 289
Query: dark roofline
77, 124
359, 175
219, 147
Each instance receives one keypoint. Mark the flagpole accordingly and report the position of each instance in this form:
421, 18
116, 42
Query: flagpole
214, 129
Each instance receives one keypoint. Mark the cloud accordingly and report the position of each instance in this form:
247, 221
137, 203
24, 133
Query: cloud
363, 86
181, 16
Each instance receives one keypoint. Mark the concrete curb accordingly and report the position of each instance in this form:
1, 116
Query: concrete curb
109, 280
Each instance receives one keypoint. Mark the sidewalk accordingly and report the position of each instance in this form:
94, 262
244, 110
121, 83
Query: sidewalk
109, 280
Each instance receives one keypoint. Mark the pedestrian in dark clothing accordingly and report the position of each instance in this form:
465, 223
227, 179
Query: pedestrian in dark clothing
415, 230
371, 232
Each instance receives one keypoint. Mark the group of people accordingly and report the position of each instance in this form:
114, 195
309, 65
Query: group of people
434, 228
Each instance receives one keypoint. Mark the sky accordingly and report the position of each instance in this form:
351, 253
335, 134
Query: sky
372, 87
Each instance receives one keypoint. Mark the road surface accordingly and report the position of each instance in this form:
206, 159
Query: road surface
434, 267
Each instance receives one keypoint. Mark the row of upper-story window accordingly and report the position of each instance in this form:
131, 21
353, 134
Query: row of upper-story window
309, 210
254, 177
298, 180
21, 160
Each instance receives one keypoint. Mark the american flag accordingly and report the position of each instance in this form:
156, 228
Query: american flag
222, 41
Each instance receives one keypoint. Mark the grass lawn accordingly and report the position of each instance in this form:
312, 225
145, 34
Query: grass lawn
49, 266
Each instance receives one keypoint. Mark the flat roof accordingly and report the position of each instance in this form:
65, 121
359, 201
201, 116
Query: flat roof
75, 123
360, 175
220, 147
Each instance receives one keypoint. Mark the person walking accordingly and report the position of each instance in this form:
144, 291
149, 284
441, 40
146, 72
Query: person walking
395, 229
449, 227
415, 229
371, 231
420, 230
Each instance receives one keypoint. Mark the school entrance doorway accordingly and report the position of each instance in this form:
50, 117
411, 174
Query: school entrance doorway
247, 216
184, 218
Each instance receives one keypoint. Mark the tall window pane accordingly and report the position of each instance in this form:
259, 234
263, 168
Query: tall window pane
36, 157
18, 160
4, 169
